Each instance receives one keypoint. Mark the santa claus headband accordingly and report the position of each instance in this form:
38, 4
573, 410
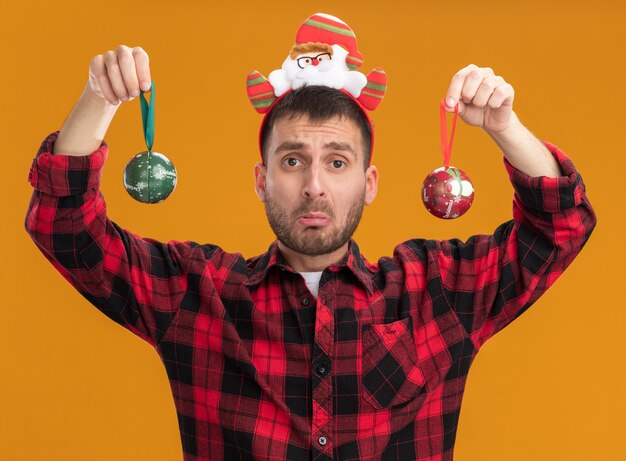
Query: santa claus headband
325, 53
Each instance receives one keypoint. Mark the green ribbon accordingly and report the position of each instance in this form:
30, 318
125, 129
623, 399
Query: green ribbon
147, 116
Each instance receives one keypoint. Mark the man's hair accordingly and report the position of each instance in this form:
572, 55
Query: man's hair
320, 103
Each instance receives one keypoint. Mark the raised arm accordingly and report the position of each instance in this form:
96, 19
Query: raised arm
490, 280
137, 282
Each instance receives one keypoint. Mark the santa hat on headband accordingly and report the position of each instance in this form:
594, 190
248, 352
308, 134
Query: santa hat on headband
325, 28
325, 52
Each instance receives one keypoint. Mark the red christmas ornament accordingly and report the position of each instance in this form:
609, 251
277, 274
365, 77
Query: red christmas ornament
447, 192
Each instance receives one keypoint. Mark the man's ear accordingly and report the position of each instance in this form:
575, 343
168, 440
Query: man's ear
260, 172
371, 184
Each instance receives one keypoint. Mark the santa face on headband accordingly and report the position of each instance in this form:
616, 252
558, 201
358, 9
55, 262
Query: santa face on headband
317, 64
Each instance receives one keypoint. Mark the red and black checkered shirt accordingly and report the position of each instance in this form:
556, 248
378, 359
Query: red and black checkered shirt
373, 369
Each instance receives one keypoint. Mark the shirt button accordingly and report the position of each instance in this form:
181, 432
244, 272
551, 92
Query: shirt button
321, 370
322, 440
305, 301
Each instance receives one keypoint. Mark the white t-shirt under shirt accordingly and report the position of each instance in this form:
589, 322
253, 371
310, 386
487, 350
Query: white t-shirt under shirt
312, 280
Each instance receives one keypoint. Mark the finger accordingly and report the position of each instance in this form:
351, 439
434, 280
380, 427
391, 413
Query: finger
100, 80
128, 71
485, 90
142, 68
454, 90
472, 82
115, 75
462, 108
502, 95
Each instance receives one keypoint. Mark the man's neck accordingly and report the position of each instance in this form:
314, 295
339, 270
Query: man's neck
305, 263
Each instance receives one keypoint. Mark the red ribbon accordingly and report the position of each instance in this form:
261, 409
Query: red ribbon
446, 146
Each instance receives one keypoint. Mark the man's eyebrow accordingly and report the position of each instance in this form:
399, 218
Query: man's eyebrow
341, 146
290, 145
334, 145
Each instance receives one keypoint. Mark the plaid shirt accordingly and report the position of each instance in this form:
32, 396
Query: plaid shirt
373, 369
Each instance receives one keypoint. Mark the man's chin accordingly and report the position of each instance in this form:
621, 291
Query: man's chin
312, 245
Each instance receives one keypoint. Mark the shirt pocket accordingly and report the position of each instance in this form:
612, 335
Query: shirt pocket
391, 373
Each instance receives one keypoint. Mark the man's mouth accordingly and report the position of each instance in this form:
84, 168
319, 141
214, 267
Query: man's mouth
314, 219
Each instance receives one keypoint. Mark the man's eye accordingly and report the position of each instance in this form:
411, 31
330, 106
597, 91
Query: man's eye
291, 161
338, 163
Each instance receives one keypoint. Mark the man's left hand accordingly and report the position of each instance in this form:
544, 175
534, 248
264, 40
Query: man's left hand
485, 99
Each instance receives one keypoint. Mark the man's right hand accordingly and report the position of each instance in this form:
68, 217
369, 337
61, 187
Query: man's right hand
118, 75
113, 77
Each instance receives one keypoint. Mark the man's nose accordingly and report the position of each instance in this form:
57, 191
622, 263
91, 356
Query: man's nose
315, 62
314, 185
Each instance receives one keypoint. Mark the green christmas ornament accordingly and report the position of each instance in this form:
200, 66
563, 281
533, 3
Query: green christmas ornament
149, 177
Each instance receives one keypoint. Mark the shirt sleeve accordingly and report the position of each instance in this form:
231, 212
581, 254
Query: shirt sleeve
489, 280
137, 282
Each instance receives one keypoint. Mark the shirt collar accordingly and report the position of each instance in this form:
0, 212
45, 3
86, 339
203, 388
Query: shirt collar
352, 260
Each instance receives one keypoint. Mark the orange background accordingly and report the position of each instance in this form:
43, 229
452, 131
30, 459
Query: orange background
76, 386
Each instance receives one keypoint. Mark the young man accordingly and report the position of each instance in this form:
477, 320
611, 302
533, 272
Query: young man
309, 351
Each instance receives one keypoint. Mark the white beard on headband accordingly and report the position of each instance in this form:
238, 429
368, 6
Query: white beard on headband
333, 73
